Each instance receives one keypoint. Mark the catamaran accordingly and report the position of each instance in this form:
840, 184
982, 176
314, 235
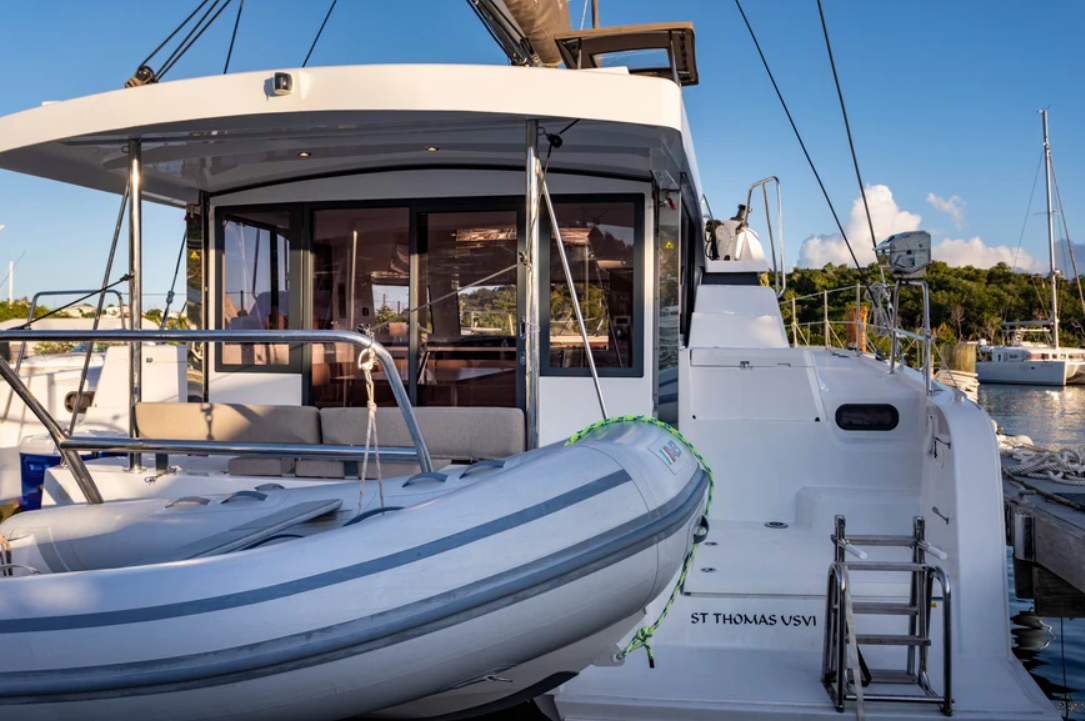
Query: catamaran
401, 510
1021, 361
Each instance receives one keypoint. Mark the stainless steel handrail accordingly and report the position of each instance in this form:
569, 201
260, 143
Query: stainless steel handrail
40, 294
67, 444
30, 318
112, 444
779, 271
926, 338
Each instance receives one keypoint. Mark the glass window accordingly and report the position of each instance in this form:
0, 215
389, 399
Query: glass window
668, 302
468, 335
256, 284
639, 59
361, 265
603, 249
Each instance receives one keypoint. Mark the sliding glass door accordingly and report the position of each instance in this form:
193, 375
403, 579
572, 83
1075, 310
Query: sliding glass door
360, 269
370, 266
467, 333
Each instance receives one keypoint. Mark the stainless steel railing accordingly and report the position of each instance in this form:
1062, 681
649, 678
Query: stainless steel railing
69, 446
30, 317
779, 271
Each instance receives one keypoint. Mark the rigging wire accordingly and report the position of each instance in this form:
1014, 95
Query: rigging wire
318, 34
176, 273
233, 37
798, 136
584, 14
195, 34
1028, 209
847, 126
175, 31
1024, 225
1066, 237
504, 32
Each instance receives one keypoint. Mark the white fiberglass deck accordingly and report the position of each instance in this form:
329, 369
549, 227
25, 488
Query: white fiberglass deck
705, 684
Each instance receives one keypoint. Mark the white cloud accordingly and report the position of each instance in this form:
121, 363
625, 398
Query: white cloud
976, 253
887, 217
952, 206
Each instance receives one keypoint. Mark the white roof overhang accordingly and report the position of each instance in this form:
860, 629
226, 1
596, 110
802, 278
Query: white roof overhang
228, 132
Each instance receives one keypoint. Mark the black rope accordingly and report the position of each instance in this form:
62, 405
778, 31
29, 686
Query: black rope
318, 33
77, 301
562, 131
177, 51
185, 48
233, 37
847, 126
809, 160
175, 31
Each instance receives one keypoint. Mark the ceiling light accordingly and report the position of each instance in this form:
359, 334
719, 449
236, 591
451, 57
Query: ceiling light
432, 148
303, 154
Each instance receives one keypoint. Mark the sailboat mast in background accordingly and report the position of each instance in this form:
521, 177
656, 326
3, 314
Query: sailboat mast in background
1051, 234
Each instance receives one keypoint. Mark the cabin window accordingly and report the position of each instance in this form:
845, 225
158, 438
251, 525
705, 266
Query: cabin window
867, 417
361, 268
603, 239
255, 282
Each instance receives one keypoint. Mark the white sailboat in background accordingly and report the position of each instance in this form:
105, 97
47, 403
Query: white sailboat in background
1024, 362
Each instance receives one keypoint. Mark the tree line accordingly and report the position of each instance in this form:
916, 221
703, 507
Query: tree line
966, 303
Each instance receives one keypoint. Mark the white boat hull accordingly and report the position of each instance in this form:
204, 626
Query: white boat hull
1034, 373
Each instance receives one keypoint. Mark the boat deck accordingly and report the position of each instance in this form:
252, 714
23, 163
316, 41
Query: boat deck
701, 683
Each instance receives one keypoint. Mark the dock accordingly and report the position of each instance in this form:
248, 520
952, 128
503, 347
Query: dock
1045, 527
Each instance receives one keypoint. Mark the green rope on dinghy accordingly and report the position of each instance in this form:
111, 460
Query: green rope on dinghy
643, 637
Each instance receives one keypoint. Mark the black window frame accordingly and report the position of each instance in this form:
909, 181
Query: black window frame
301, 281
636, 370
296, 275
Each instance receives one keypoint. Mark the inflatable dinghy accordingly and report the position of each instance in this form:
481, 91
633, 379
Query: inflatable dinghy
483, 589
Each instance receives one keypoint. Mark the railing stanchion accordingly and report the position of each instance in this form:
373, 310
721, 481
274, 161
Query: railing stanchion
794, 324
825, 308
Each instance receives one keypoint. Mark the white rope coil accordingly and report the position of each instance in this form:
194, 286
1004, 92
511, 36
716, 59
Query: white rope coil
366, 362
1064, 465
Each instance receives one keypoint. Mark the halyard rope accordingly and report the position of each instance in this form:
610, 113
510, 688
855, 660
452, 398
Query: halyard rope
643, 637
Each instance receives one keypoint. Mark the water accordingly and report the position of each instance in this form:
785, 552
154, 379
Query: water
1052, 649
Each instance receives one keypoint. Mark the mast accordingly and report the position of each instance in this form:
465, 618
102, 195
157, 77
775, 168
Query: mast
1050, 232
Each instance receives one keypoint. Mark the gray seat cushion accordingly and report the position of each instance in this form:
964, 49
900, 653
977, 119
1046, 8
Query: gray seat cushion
233, 422
452, 434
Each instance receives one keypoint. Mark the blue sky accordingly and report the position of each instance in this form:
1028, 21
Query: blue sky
942, 97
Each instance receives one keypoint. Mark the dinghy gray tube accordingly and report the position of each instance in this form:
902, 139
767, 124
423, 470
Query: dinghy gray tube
519, 564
